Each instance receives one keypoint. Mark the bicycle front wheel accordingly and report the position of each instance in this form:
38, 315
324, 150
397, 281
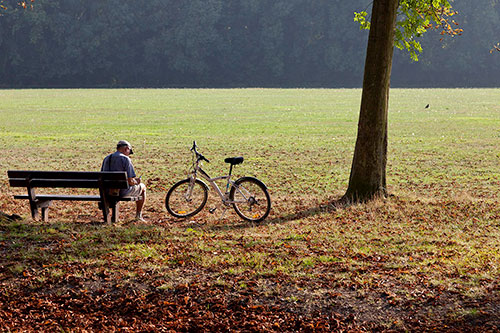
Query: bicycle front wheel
250, 199
185, 199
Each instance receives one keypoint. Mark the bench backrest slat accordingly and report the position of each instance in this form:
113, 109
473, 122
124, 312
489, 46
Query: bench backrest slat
108, 175
67, 183
68, 179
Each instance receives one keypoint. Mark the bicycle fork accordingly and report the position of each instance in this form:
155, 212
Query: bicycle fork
189, 193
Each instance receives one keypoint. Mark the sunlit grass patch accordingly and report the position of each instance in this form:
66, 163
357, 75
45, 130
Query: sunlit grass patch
136, 251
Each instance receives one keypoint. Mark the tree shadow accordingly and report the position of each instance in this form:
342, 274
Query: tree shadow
327, 207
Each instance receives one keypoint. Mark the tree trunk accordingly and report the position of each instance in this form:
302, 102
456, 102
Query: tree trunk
368, 172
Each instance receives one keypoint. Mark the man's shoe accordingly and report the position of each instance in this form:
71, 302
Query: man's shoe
139, 219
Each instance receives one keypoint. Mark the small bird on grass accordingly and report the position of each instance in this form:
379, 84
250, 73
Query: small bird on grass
427, 106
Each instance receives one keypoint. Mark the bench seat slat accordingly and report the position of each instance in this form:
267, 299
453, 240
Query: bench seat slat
61, 197
74, 197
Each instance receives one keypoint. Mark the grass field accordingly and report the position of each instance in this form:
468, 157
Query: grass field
426, 258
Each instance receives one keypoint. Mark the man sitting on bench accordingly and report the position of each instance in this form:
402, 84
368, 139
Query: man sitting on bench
120, 161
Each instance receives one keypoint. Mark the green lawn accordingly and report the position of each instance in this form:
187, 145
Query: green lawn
428, 257
295, 139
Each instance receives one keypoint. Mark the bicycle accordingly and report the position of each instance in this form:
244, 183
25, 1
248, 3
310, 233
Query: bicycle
248, 196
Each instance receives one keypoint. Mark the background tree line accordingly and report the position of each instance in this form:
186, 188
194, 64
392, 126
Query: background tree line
221, 43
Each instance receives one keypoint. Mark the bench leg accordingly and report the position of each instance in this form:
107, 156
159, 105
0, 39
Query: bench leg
34, 212
33, 202
115, 216
45, 214
105, 211
44, 205
106, 216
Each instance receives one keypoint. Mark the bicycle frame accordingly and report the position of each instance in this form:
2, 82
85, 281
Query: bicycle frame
212, 181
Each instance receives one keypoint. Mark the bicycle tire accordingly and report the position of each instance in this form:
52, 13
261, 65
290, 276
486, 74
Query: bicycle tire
182, 207
251, 200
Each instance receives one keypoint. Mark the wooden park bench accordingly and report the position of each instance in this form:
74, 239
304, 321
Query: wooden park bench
104, 181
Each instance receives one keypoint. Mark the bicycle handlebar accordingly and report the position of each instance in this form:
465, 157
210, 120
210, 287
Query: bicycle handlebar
199, 156
202, 158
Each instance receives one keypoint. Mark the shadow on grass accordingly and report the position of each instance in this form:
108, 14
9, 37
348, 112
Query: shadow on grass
37, 262
310, 212
327, 207
44, 243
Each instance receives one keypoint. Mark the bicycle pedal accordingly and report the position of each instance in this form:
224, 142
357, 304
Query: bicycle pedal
212, 210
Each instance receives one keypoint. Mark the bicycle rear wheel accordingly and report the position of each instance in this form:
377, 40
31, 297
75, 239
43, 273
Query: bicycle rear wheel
184, 200
251, 200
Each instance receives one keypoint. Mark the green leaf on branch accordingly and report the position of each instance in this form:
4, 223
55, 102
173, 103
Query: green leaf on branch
361, 18
415, 17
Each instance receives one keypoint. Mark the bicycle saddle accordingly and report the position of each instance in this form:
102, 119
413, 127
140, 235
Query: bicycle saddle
234, 160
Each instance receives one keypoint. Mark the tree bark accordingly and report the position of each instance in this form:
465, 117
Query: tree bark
368, 171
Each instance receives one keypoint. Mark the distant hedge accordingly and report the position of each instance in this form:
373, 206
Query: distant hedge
220, 43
